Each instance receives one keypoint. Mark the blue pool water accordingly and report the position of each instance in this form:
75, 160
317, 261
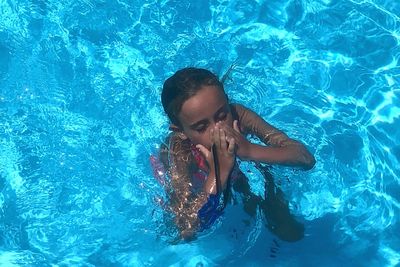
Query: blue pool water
80, 115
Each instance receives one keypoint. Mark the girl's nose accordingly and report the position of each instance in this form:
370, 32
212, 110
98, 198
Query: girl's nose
220, 123
213, 124
210, 129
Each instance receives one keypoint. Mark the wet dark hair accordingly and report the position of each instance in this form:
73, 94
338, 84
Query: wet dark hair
181, 86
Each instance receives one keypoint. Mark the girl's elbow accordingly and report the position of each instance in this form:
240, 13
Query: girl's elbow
308, 161
305, 159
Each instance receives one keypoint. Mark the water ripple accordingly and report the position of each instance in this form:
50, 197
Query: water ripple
80, 85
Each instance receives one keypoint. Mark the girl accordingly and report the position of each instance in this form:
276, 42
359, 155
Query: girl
202, 118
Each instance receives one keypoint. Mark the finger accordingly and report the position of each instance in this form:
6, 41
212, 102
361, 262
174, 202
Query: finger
236, 126
213, 136
216, 137
233, 134
203, 150
222, 137
229, 132
231, 145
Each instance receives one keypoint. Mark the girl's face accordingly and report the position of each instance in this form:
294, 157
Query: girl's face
201, 112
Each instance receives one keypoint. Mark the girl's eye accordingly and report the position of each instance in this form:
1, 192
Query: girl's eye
201, 128
222, 116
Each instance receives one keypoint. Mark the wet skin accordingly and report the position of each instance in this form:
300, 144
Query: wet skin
200, 116
275, 208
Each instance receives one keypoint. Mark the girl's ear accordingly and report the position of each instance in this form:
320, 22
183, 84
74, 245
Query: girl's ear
178, 131
174, 128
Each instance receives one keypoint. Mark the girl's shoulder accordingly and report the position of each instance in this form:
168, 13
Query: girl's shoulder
244, 116
238, 111
237, 107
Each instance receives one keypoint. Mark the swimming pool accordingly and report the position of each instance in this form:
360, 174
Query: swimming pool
80, 115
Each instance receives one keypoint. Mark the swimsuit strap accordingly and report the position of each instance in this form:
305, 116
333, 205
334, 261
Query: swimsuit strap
200, 160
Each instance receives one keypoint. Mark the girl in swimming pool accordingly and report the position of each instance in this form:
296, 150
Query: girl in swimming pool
201, 118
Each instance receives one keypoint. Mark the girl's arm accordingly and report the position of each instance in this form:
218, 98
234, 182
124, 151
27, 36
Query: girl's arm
179, 162
184, 204
281, 150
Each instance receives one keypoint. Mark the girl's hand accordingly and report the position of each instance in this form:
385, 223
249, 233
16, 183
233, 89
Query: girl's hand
225, 147
242, 144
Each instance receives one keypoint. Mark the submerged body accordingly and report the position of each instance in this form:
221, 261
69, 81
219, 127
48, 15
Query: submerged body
188, 172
